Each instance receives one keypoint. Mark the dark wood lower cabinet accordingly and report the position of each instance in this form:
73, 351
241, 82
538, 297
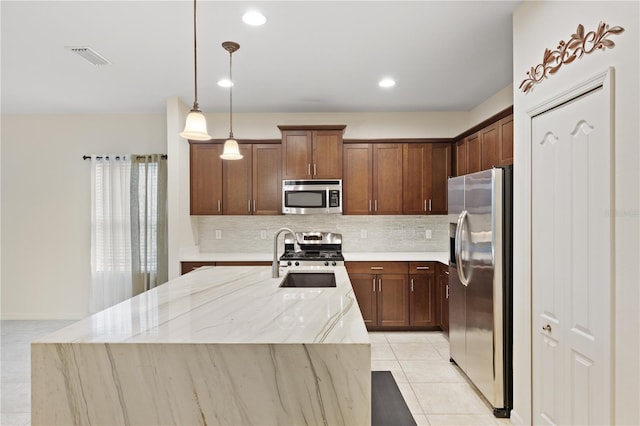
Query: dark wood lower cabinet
443, 290
395, 299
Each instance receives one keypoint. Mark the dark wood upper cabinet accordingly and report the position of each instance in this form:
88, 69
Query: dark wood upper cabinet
357, 185
474, 153
252, 185
236, 183
206, 178
372, 179
505, 145
426, 167
267, 179
387, 178
312, 152
491, 145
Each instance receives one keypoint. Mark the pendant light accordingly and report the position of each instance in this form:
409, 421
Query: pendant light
195, 127
231, 150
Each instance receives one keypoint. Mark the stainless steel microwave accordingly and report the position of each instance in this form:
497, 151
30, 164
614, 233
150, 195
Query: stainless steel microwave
311, 196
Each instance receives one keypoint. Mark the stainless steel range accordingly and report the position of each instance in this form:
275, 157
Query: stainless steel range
316, 249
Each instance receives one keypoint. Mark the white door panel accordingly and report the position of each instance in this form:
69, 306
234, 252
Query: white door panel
571, 259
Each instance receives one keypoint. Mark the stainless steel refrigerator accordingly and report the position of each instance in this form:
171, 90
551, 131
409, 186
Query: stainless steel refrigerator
480, 282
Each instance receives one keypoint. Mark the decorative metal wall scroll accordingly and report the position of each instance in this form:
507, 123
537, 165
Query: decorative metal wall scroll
581, 43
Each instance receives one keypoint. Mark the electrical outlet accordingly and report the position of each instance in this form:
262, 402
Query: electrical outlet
427, 234
363, 233
263, 235
218, 234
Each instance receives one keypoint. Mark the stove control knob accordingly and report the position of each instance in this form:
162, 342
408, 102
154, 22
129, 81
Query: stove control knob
333, 263
289, 263
326, 263
297, 263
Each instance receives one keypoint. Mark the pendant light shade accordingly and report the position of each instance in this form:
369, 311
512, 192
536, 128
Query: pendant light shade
195, 127
231, 150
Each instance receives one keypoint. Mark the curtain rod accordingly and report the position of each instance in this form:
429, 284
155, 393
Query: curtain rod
117, 157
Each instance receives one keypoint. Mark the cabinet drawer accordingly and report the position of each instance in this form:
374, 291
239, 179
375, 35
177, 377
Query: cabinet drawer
377, 267
190, 266
422, 267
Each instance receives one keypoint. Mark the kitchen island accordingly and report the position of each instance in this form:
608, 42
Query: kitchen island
217, 346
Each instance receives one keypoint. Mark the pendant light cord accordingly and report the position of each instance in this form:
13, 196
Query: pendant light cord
195, 58
230, 95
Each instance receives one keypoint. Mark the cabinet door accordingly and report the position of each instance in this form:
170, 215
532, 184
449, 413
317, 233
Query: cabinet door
296, 154
461, 157
357, 179
327, 154
505, 145
206, 178
267, 179
440, 166
489, 138
422, 303
364, 287
387, 178
236, 183
416, 171
444, 298
474, 153
393, 300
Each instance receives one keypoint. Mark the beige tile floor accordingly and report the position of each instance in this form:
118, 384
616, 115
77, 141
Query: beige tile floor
434, 390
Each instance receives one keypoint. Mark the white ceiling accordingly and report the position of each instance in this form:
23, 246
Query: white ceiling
310, 56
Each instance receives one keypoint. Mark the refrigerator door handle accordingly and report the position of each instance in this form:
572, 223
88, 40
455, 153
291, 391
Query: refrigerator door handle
458, 248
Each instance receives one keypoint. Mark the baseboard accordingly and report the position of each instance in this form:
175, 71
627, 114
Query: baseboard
42, 316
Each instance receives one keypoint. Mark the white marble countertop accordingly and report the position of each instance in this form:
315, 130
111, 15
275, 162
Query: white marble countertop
437, 256
234, 304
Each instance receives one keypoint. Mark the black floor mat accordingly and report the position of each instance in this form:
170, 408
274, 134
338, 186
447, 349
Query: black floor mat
387, 404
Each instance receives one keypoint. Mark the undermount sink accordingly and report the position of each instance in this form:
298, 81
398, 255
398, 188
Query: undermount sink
309, 279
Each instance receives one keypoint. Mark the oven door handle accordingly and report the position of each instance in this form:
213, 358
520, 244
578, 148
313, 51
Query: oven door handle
462, 220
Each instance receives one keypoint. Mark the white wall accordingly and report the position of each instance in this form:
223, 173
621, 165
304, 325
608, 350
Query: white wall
496, 103
46, 205
539, 25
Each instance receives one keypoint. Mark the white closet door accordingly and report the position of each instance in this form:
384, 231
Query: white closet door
571, 261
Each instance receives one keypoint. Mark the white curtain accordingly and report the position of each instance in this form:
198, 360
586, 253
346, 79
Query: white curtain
128, 227
111, 278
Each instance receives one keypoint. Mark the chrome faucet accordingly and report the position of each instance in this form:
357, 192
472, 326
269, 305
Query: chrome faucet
275, 268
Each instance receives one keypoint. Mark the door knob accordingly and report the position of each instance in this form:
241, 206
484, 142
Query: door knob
547, 328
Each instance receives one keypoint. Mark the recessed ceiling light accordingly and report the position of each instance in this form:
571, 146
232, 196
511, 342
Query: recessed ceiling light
386, 82
254, 18
225, 82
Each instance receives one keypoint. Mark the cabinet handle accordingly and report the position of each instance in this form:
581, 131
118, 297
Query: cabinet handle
219, 205
422, 268
309, 169
377, 268
249, 206
315, 172
369, 205
547, 328
254, 206
375, 203
429, 205
447, 291
374, 285
411, 285
446, 272
425, 205
379, 285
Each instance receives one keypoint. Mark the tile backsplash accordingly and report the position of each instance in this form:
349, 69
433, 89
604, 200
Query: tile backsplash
254, 234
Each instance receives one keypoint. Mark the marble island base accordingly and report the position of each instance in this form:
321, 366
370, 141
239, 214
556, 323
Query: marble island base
201, 384
217, 346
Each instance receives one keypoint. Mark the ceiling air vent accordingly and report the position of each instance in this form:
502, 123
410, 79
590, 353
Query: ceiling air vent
90, 55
